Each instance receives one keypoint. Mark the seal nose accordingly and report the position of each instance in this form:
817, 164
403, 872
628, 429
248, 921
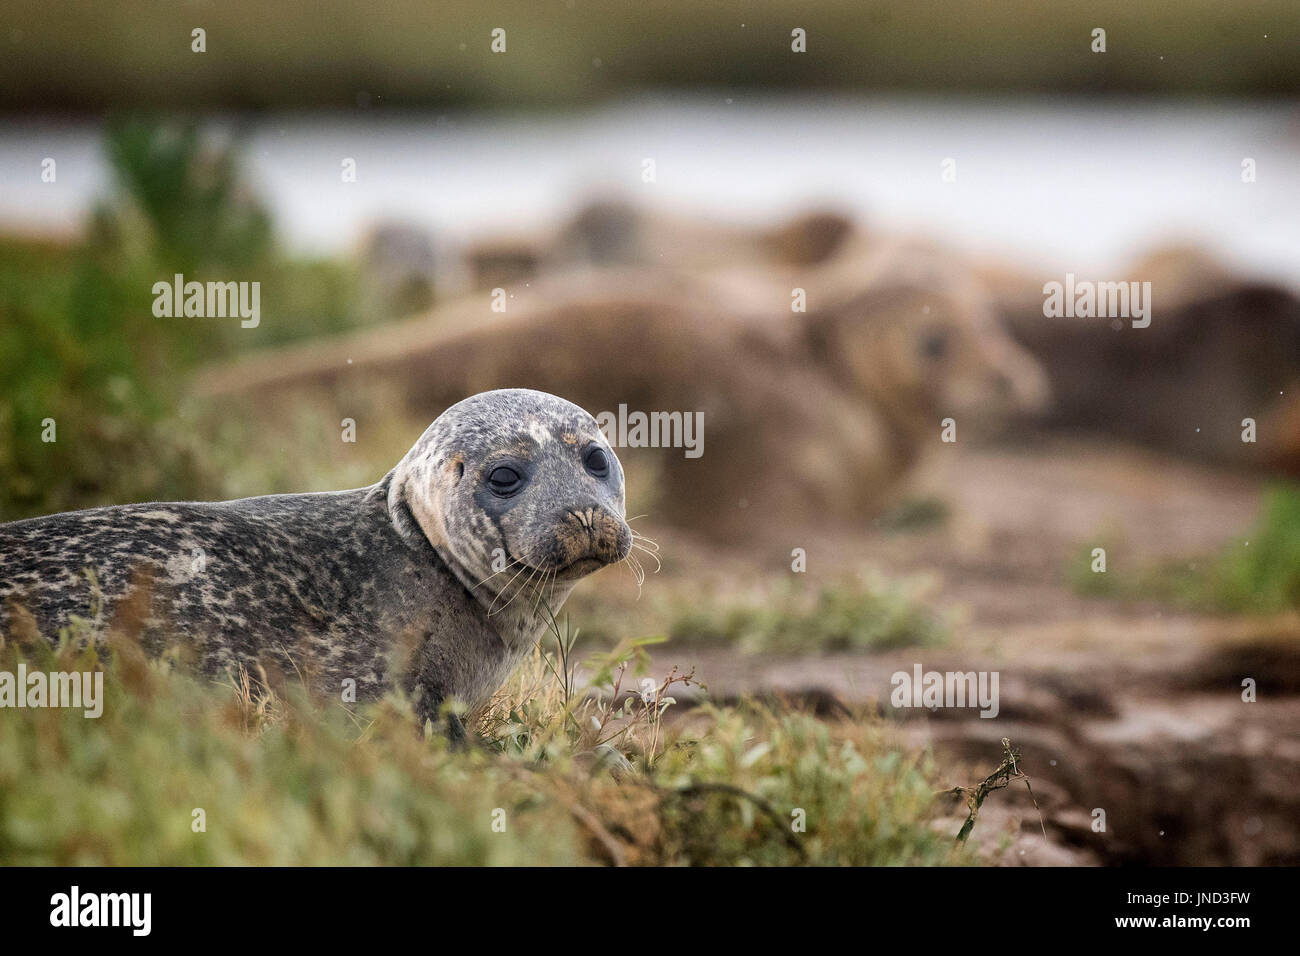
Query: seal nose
595, 533
1025, 389
1019, 381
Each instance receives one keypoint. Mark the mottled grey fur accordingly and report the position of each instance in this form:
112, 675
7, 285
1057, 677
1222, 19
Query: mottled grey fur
332, 584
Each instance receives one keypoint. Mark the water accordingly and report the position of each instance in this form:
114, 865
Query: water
1055, 185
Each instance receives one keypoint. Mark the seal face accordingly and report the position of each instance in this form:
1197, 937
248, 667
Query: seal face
507, 500
515, 489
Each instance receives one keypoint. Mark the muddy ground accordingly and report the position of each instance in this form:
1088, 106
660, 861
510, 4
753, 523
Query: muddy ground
1126, 706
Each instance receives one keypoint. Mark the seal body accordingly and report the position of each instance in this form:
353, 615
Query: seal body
438, 577
810, 420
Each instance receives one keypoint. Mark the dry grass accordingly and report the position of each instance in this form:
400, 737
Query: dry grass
573, 764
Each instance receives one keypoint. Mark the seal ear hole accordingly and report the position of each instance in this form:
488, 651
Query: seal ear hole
460, 470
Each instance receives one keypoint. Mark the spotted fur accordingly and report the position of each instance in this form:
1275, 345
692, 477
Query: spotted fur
334, 585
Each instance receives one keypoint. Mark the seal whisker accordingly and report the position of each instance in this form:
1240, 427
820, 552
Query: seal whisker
654, 554
526, 586
628, 568
519, 591
492, 608
541, 589
538, 591
495, 573
638, 572
649, 543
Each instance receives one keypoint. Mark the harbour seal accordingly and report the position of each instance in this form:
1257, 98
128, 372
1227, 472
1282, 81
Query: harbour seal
1221, 348
810, 420
506, 501
615, 233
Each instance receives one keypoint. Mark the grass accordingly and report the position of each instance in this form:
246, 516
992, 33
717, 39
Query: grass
1258, 574
871, 613
916, 515
91, 380
1263, 573
563, 771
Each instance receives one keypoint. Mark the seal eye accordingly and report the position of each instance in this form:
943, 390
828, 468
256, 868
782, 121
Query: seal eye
597, 463
504, 481
935, 344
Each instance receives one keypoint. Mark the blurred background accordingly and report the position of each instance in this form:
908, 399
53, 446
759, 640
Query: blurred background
622, 205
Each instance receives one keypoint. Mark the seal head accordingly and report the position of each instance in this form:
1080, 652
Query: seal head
517, 491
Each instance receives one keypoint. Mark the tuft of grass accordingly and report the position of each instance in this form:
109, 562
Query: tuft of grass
862, 800
916, 515
603, 713
1260, 574
573, 765
870, 614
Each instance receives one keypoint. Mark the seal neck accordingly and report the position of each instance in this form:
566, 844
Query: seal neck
514, 617
388, 492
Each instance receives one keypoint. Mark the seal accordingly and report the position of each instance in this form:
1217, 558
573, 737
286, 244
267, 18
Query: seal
456, 557
812, 420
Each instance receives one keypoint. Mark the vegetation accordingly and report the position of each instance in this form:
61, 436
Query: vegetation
178, 771
1263, 572
1258, 574
916, 514
870, 614
91, 379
